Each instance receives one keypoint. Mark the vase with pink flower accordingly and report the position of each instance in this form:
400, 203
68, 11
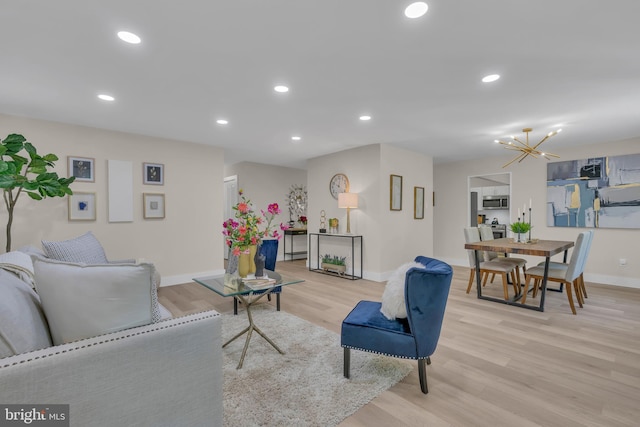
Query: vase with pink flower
245, 232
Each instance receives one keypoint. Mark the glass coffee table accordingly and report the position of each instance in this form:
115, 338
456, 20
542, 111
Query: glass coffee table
247, 294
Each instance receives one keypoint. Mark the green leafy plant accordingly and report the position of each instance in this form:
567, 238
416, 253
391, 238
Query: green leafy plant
334, 259
30, 175
520, 227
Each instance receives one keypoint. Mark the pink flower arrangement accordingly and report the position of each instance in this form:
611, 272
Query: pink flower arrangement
244, 230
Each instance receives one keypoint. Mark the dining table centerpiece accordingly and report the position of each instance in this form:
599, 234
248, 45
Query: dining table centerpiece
519, 228
246, 231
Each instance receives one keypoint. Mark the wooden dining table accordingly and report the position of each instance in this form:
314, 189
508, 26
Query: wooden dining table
544, 248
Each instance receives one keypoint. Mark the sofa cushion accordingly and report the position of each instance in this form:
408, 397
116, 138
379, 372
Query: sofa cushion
82, 301
393, 302
23, 327
82, 249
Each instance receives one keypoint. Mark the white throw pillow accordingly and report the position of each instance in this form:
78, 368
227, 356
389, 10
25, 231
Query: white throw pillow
393, 304
82, 301
82, 249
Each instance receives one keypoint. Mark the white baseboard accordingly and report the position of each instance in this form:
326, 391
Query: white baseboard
627, 282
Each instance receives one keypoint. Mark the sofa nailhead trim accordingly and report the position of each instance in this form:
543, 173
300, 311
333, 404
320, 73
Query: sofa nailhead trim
157, 328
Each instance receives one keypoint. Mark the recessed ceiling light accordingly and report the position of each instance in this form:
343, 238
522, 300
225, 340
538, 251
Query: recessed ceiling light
222, 121
281, 89
129, 37
296, 138
416, 10
490, 78
365, 118
106, 97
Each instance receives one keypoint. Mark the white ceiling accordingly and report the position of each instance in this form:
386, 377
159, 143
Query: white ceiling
572, 62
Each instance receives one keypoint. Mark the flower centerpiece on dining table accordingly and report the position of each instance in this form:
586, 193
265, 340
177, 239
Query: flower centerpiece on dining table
245, 232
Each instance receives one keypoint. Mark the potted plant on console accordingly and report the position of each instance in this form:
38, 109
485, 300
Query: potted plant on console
337, 264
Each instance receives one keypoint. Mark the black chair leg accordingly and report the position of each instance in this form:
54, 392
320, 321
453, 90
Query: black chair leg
347, 362
422, 372
278, 302
235, 306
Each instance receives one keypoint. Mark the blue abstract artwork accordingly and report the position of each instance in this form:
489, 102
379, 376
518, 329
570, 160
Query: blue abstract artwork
598, 192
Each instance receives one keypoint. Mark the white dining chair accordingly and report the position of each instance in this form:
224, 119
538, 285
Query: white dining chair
568, 276
564, 265
472, 235
486, 233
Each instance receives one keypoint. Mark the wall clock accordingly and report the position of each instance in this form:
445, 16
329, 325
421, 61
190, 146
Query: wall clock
338, 184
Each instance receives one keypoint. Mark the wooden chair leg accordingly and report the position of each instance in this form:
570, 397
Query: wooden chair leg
536, 286
505, 286
484, 279
515, 283
576, 287
422, 372
526, 289
570, 298
493, 276
472, 274
582, 287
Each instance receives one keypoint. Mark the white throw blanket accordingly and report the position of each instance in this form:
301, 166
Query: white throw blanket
20, 264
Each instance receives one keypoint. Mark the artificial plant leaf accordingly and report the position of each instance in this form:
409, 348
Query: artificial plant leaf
31, 150
50, 157
34, 196
8, 181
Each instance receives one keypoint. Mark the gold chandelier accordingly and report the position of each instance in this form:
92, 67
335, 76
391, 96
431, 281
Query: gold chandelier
525, 149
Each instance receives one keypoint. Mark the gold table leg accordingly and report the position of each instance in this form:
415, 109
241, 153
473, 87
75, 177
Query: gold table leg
248, 302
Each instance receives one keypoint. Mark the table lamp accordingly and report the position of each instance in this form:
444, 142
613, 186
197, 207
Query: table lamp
348, 201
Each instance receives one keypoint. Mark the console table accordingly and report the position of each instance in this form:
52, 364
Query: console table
291, 233
354, 241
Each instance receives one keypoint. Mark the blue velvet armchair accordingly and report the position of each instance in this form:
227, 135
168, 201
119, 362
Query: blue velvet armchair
426, 292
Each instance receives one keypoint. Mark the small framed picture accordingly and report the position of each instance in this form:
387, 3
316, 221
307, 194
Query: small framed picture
82, 206
418, 202
153, 205
153, 173
395, 197
82, 168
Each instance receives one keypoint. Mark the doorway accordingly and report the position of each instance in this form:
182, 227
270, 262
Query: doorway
483, 190
230, 200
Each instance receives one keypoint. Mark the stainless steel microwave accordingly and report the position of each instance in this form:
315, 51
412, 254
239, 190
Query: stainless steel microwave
495, 202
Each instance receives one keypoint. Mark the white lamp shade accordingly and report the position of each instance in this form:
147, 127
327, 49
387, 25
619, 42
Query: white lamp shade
348, 200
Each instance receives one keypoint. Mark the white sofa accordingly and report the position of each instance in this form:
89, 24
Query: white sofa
167, 373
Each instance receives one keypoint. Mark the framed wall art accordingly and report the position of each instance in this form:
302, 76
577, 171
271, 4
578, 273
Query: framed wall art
153, 173
82, 206
395, 196
597, 192
153, 205
82, 168
418, 202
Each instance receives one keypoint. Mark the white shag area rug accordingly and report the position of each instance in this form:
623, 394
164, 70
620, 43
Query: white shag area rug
303, 387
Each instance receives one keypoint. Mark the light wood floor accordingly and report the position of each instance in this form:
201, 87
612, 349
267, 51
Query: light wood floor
495, 365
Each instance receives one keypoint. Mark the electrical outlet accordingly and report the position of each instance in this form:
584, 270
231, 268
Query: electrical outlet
623, 261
